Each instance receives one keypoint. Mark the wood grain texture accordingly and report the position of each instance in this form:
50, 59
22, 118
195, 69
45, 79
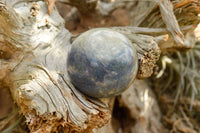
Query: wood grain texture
179, 17
33, 55
36, 74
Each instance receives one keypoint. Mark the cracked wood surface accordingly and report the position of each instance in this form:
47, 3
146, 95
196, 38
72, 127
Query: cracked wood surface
36, 44
35, 49
33, 52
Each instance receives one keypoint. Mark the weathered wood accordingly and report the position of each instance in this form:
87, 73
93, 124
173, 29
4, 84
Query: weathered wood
168, 17
185, 13
35, 70
154, 14
33, 55
142, 107
147, 50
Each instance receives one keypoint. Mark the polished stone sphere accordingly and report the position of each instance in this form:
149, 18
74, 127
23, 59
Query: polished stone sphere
102, 63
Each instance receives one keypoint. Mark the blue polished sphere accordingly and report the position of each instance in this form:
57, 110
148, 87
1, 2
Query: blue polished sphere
102, 63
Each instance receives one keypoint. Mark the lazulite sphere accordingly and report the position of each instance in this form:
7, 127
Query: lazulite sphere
102, 63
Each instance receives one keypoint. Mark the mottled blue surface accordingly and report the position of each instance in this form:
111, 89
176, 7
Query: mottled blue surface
102, 63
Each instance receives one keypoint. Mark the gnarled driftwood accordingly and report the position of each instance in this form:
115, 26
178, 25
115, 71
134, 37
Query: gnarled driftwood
33, 53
